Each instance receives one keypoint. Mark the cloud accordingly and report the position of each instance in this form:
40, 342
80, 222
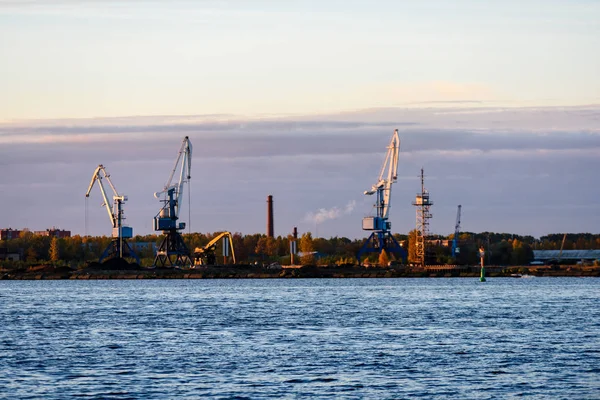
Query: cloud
432, 131
31, 132
506, 176
323, 214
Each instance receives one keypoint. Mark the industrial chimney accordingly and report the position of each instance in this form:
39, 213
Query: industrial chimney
270, 230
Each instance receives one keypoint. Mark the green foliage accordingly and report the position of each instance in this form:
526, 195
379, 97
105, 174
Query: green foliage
504, 248
31, 255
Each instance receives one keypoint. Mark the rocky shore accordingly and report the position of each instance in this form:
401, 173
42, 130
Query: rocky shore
134, 271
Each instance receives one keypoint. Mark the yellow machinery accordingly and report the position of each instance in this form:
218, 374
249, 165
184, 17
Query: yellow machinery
206, 255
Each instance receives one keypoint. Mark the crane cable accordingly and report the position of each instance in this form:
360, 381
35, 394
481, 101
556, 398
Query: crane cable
189, 207
86, 216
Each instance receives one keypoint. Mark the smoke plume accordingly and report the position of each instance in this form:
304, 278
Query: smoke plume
324, 214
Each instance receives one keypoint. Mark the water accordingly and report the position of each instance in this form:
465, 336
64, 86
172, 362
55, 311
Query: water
345, 338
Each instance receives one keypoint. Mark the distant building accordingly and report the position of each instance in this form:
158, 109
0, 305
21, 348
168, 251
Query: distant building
139, 246
315, 254
439, 242
573, 255
8, 234
5, 255
57, 233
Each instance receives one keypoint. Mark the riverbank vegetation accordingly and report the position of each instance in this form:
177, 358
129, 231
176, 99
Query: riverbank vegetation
502, 249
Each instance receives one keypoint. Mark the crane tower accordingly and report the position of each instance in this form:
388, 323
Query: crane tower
381, 237
172, 250
423, 204
455, 248
118, 247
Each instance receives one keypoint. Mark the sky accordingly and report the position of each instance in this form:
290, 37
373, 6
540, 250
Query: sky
498, 101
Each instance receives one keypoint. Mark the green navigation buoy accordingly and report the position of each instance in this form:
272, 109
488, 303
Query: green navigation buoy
482, 255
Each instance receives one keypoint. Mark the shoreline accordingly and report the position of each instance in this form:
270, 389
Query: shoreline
47, 272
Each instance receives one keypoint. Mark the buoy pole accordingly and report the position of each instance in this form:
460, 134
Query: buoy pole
482, 256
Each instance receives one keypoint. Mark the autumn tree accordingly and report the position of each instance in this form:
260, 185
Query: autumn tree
272, 247
261, 246
54, 253
383, 259
412, 246
307, 248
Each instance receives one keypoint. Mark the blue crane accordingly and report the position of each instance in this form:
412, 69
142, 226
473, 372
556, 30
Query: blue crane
381, 237
172, 251
455, 248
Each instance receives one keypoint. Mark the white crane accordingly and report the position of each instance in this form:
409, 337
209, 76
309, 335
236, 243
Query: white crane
185, 156
381, 239
387, 176
118, 246
172, 250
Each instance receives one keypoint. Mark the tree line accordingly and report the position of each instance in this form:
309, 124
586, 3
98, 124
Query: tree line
501, 248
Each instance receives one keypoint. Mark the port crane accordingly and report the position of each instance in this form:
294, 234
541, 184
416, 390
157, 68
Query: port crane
172, 251
206, 255
381, 237
118, 247
455, 248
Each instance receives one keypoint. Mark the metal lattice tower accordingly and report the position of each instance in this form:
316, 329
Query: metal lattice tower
423, 204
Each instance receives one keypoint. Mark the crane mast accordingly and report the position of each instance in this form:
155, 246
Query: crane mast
118, 246
455, 248
381, 239
173, 251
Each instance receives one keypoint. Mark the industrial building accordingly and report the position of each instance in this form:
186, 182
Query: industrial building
566, 255
6, 255
57, 233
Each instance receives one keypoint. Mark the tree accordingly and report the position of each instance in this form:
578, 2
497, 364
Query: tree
261, 246
272, 247
307, 248
500, 253
521, 253
31, 255
412, 246
54, 253
383, 259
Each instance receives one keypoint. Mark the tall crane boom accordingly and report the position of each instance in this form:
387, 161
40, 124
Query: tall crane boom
173, 250
185, 156
381, 238
455, 248
99, 174
387, 176
118, 247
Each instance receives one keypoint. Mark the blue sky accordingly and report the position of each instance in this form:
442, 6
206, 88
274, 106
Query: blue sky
498, 101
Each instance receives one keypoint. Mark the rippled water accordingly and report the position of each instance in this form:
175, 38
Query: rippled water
345, 338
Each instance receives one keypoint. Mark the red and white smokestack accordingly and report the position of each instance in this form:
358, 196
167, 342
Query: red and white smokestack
270, 230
